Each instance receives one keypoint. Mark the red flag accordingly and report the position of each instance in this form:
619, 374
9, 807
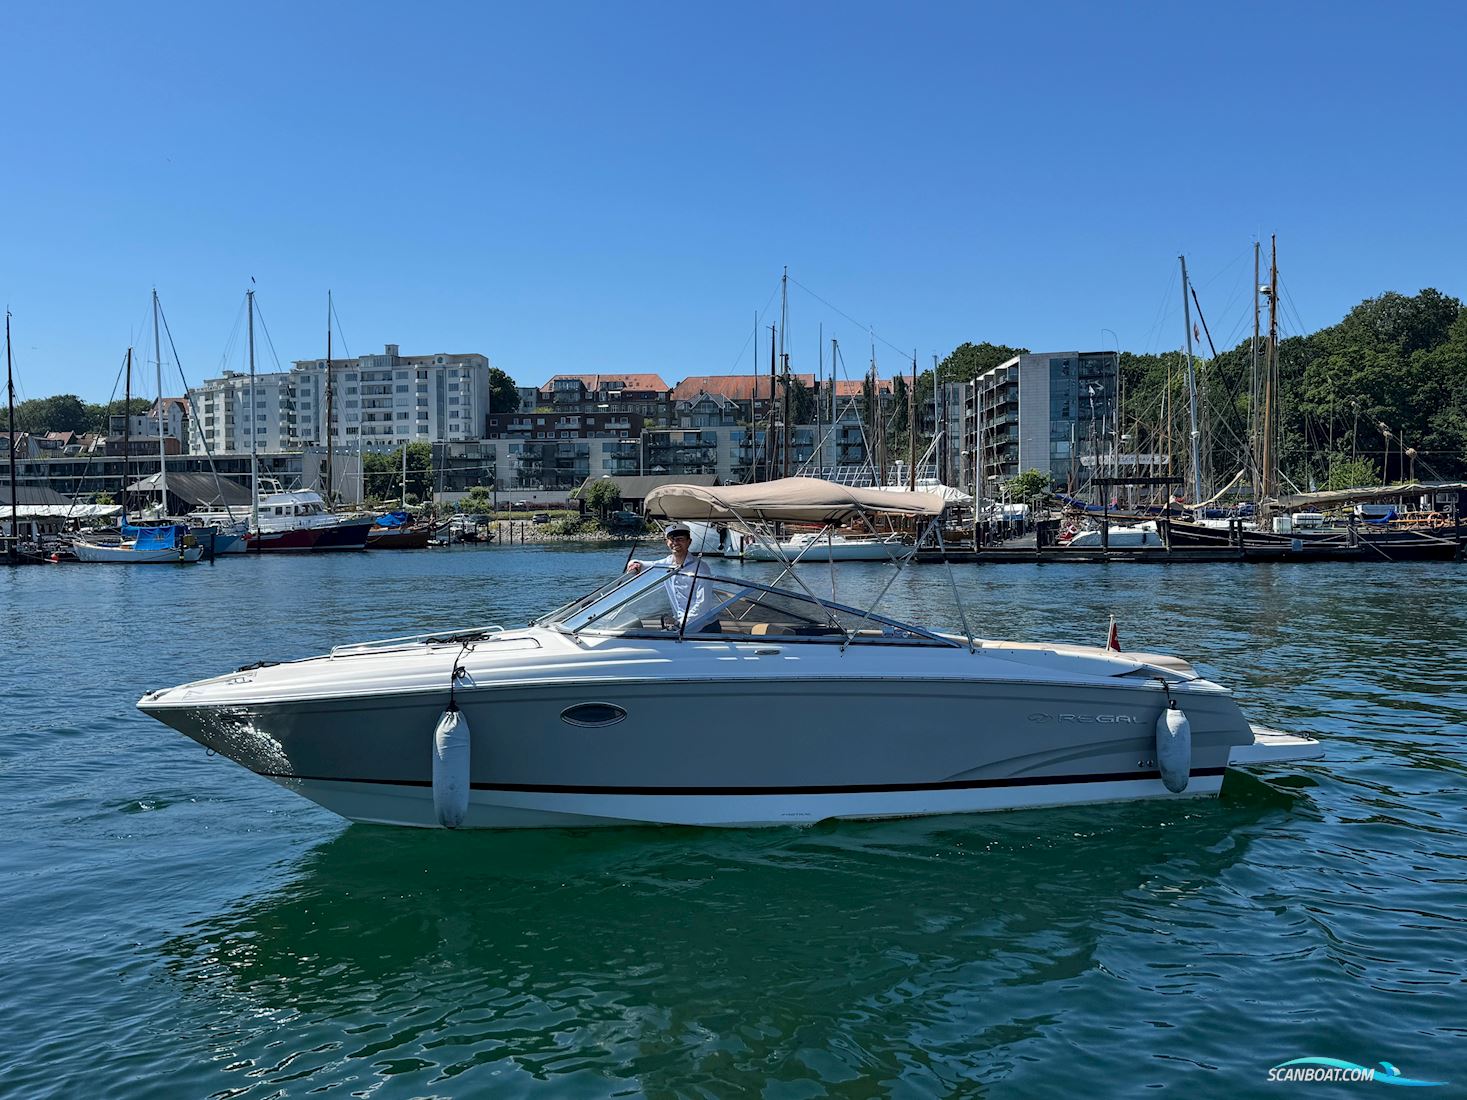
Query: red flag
1113, 639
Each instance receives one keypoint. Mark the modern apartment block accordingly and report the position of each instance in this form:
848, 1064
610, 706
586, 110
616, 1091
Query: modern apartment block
230, 410
560, 449
380, 401
644, 395
1040, 411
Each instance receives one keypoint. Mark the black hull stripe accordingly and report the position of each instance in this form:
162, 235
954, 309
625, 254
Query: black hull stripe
673, 792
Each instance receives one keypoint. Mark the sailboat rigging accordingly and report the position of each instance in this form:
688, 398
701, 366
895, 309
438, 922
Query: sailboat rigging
165, 544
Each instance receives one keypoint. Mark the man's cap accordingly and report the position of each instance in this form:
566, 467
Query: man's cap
678, 529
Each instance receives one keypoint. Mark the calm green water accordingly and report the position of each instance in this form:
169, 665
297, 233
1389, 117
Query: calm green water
171, 925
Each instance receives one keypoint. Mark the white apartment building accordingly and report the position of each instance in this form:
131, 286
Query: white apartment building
230, 409
380, 402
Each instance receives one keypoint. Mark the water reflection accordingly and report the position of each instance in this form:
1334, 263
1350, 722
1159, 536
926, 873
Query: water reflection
680, 960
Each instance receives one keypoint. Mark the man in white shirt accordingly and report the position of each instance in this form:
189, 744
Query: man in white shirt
679, 584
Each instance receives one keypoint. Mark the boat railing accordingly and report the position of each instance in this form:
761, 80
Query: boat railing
446, 636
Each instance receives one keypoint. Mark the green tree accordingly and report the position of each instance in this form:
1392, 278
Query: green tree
504, 397
379, 473
967, 361
899, 422
604, 496
63, 413
802, 400
382, 472
1030, 487
1351, 473
478, 500
870, 411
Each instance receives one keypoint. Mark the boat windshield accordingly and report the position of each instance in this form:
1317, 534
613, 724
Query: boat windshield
580, 603
663, 601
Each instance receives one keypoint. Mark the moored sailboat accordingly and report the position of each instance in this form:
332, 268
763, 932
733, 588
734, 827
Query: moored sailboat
166, 544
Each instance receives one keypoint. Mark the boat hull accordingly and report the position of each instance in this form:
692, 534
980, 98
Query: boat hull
122, 555
858, 747
396, 538
411, 805
297, 540
342, 536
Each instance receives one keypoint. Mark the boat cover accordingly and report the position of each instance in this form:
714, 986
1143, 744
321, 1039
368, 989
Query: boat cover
154, 538
792, 499
393, 519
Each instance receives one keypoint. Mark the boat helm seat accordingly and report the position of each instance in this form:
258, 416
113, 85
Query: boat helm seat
762, 629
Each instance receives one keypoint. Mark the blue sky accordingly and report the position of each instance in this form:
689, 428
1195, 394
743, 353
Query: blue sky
579, 187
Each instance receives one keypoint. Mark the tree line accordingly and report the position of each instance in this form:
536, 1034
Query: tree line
67, 412
1379, 397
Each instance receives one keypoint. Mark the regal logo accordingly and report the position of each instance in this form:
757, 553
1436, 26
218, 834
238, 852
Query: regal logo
1085, 719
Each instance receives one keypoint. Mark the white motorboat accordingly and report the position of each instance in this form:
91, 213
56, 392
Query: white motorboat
294, 520
827, 546
1142, 534
700, 698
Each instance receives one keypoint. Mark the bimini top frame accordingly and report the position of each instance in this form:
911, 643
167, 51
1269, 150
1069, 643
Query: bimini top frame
753, 508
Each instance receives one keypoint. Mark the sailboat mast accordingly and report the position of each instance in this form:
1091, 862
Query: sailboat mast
819, 452
769, 437
837, 458
753, 474
254, 437
912, 428
1270, 374
1253, 411
162, 452
330, 397
1191, 391
784, 359
404, 472
10, 404
939, 416
126, 435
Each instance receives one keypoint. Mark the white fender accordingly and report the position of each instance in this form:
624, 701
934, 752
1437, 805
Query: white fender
1174, 747
451, 768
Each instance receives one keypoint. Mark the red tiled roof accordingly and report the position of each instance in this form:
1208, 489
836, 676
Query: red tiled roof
737, 387
614, 381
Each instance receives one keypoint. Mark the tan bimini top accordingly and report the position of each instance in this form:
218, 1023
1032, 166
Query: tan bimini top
789, 499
